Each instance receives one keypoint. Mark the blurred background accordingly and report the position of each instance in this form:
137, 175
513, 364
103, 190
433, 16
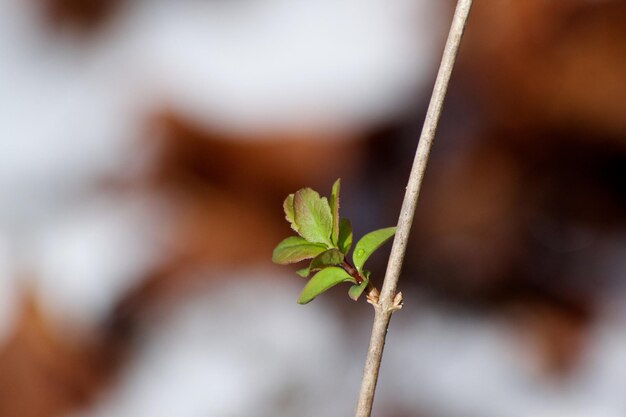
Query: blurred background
146, 147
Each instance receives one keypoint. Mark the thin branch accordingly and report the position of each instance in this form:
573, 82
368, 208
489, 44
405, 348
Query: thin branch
389, 301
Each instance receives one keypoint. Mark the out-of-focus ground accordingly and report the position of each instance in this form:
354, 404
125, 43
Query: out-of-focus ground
146, 148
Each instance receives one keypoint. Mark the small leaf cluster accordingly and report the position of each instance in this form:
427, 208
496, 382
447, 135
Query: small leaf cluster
326, 239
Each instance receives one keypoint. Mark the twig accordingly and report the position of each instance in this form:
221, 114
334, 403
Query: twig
389, 301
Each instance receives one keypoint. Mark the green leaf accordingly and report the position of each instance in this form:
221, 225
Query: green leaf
356, 290
289, 212
327, 258
334, 208
295, 249
345, 235
323, 280
304, 272
368, 244
312, 216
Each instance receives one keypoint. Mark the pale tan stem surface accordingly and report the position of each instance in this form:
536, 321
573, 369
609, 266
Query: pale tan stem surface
386, 305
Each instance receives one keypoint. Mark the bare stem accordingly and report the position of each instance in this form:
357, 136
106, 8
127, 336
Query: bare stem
388, 301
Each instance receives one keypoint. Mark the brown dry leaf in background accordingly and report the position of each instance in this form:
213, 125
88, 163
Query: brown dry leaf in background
223, 192
79, 14
43, 373
557, 64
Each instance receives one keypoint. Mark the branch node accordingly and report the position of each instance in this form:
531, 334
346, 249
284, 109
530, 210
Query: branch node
397, 303
373, 297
